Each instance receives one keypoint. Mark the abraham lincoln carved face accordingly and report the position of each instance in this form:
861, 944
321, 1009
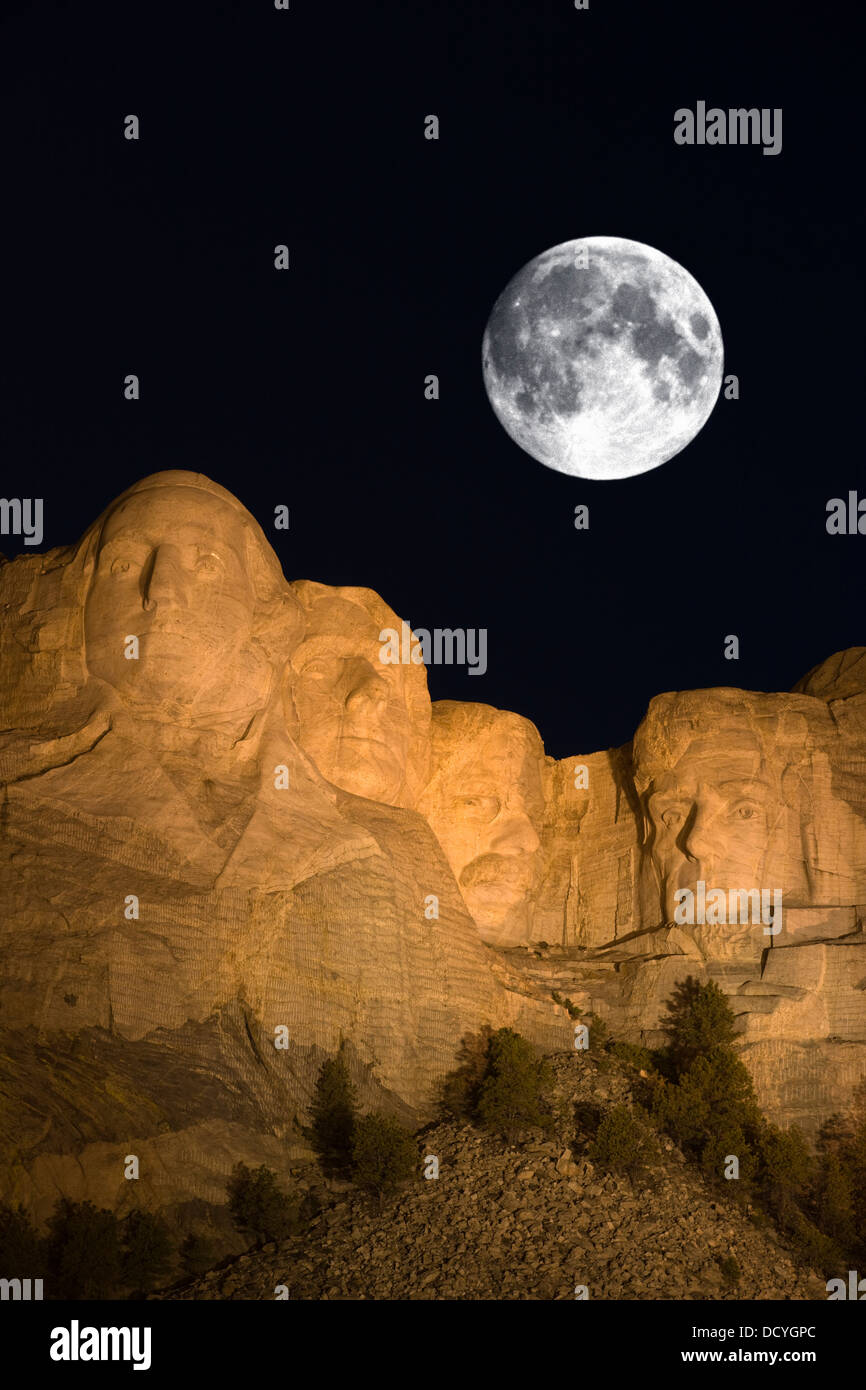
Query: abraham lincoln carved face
745, 791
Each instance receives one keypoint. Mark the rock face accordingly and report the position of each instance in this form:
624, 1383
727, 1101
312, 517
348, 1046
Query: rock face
192, 915
837, 678
755, 791
232, 835
364, 722
485, 803
590, 892
728, 842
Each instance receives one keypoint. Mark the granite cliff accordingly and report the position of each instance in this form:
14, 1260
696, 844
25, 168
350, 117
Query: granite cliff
232, 837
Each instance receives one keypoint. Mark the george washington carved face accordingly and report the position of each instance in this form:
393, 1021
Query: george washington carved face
175, 568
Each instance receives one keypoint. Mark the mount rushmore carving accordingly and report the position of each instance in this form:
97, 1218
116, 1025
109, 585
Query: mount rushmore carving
225, 818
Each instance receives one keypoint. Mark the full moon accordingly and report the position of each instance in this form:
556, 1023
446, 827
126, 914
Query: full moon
602, 358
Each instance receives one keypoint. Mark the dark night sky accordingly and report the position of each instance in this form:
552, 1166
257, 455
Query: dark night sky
306, 388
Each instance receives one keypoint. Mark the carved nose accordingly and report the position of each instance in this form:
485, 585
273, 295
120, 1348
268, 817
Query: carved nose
163, 582
368, 693
698, 840
515, 835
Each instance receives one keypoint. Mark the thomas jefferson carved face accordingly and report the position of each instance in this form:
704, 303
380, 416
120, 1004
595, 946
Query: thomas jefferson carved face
485, 803
364, 723
172, 569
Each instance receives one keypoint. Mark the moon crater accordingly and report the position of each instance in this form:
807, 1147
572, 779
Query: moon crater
602, 358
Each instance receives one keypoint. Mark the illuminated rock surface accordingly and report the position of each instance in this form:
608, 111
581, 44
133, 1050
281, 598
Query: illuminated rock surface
180, 882
227, 825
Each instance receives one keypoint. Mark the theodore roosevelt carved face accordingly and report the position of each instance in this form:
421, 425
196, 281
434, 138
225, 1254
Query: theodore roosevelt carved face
485, 803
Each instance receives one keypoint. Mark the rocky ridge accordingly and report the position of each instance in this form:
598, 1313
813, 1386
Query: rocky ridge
527, 1221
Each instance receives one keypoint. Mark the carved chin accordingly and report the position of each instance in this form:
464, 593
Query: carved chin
496, 888
367, 769
496, 904
164, 697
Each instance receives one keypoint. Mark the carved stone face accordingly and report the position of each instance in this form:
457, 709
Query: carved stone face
714, 816
171, 569
745, 791
364, 723
485, 803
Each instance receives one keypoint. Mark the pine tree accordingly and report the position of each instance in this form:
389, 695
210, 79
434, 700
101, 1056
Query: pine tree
713, 1098
257, 1206
834, 1201
623, 1143
20, 1248
787, 1170
699, 1021
334, 1115
196, 1253
461, 1089
82, 1251
384, 1155
512, 1095
146, 1252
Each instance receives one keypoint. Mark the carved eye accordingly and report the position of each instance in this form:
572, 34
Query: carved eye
317, 670
671, 818
478, 808
119, 566
208, 564
746, 812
